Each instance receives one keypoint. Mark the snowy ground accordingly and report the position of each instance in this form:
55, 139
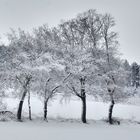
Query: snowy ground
67, 131
60, 127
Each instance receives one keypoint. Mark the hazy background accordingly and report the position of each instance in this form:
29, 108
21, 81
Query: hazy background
27, 14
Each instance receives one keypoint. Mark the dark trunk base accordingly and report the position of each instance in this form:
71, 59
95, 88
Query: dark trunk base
110, 112
30, 116
45, 111
83, 117
19, 111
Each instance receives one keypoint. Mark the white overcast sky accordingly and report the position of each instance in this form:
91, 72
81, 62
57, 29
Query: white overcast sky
27, 14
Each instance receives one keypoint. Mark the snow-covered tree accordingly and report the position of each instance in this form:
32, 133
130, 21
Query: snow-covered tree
3, 74
135, 75
80, 56
47, 79
75, 47
114, 74
21, 46
127, 68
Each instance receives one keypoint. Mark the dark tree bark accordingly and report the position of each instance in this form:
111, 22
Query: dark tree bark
110, 112
83, 98
83, 117
25, 86
19, 110
45, 110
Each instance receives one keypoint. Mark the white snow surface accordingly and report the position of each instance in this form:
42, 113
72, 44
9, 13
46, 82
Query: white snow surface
64, 122
67, 131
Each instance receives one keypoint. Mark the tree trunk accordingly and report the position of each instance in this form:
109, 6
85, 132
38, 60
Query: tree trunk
25, 86
83, 98
19, 110
45, 110
83, 116
110, 112
29, 106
